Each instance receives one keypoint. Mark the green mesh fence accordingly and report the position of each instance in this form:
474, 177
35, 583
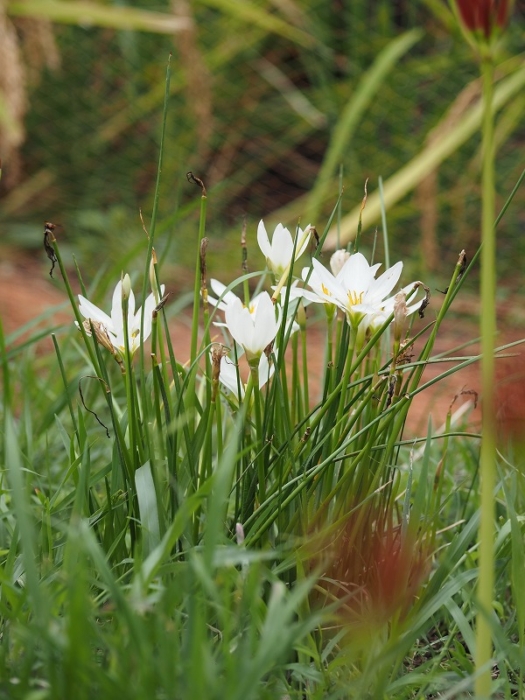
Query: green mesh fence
252, 112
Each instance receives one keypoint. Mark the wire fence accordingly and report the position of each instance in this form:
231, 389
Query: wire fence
252, 111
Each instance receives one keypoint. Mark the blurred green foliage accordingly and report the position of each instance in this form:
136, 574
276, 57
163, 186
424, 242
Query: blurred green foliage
251, 111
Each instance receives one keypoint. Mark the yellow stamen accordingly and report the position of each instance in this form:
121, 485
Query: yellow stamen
355, 298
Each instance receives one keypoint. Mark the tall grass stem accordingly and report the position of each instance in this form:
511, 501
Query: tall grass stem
488, 442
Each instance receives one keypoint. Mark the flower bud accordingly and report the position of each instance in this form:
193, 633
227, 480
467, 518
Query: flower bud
400, 315
218, 351
153, 276
301, 316
337, 260
126, 287
483, 19
239, 533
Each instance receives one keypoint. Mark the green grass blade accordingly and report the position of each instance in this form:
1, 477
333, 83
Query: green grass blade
148, 508
342, 134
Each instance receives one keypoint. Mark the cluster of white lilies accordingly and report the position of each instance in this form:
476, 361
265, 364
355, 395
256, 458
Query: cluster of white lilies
254, 324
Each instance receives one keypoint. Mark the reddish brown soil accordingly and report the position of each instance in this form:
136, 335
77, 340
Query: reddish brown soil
26, 292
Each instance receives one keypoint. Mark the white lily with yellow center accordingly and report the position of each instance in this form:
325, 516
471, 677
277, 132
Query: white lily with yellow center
280, 250
113, 325
355, 289
253, 327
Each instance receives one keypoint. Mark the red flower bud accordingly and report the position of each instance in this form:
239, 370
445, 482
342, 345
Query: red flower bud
484, 16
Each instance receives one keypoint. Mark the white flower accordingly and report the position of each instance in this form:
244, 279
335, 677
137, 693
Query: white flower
254, 326
114, 325
355, 288
229, 375
279, 252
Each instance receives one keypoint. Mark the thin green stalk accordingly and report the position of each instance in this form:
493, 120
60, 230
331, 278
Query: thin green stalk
159, 374
384, 224
306, 389
80, 321
197, 286
346, 379
247, 494
64, 380
254, 375
488, 442
6, 383
296, 398
192, 392
135, 438
218, 421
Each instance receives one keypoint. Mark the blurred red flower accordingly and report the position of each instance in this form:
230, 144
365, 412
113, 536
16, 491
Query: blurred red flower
374, 569
484, 15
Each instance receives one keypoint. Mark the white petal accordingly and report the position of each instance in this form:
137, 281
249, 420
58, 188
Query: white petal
149, 307
266, 370
266, 326
89, 310
220, 290
327, 286
239, 322
263, 240
229, 376
356, 274
282, 248
116, 308
131, 304
312, 297
300, 233
384, 284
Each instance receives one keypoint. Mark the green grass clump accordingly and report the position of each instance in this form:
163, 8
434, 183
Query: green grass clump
220, 525
161, 537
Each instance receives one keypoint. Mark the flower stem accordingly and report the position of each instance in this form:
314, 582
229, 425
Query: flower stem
259, 457
488, 444
197, 286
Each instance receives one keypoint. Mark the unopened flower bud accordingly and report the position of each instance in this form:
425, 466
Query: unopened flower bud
218, 351
483, 20
239, 533
126, 287
400, 314
153, 276
337, 260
